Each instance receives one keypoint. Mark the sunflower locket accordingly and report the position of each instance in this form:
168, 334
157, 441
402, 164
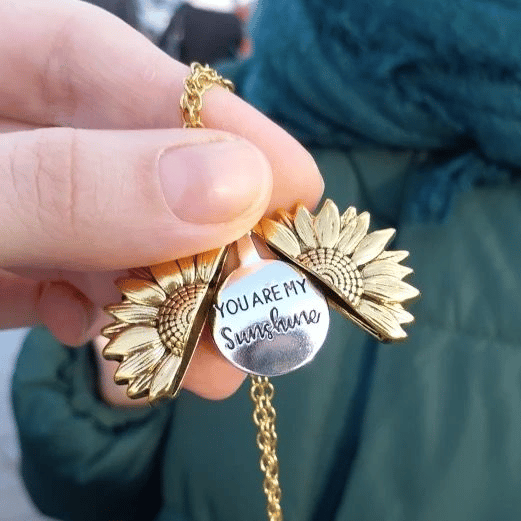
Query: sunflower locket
267, 317
159, 322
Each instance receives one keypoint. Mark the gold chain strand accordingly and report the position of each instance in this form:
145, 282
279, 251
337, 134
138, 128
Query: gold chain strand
200, 80
261, 393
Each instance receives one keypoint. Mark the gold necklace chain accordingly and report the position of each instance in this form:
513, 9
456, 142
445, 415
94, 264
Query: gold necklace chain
198, 82
264, 415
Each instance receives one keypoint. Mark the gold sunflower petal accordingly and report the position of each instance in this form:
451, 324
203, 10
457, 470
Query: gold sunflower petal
140, 273
286, 218
132, 313
347, 216
347, 243
205, 264
385, 267
371, 246
394, 256
139, 386
385, 288
382, 319
305, 228
278, 236
141, 291
327, 225
403, 316
113, 329
136, 364
131, 340
187, 265
168, 276
346, 233
165, 378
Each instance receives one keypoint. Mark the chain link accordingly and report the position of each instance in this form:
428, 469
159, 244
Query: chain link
264, 415
200, 80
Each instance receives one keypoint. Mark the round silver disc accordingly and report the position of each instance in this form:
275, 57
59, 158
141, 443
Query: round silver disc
268, 319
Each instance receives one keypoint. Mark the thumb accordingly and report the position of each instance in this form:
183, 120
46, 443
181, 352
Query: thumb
99, 200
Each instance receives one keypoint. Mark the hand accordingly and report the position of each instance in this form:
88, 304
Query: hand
96, 174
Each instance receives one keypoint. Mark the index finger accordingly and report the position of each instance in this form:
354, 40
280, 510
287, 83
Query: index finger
69, 63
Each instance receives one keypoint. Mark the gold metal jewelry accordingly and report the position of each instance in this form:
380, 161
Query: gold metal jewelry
160, 319
361, 279
261, 393
196, 84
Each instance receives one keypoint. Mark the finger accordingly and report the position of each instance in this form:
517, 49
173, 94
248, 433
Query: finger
103, 200
65, 311
82, 67
18, 297
11, 125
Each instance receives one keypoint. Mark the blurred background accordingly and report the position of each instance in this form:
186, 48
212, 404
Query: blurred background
207, 31
14, 503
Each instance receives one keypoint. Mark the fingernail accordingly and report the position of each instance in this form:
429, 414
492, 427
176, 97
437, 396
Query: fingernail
214, 182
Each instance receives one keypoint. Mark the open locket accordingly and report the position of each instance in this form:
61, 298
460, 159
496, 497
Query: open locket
268, 317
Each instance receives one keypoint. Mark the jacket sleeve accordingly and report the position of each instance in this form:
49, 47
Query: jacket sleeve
81, 459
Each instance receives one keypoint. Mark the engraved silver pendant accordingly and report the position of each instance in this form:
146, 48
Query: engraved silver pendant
268, 318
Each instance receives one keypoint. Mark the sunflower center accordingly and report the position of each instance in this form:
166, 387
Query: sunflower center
176, 314
336, 269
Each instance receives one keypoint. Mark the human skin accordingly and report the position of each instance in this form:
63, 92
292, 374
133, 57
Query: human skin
97, 175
